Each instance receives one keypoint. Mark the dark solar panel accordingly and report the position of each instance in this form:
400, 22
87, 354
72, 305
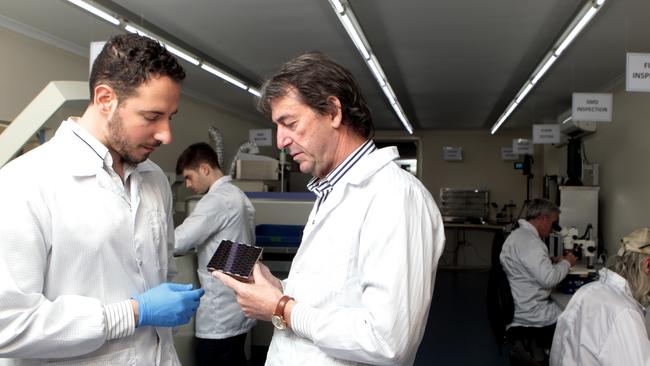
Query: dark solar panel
235, 259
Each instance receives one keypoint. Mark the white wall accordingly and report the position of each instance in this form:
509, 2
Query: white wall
28, 65
191, 125
481, 166
621, 148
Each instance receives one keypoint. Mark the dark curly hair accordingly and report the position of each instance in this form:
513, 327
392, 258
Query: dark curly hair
128, 60
316, 77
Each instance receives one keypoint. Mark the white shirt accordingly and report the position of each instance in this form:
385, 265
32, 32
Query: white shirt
363, 276
75, 245
532, 276
224, 212
602, 325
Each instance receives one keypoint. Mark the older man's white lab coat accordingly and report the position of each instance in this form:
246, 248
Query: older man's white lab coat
363, 276
74, 247
602, 325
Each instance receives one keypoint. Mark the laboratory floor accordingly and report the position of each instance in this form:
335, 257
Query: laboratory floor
458, 332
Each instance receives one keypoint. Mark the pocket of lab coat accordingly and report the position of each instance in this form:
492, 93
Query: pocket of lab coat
158, 226
123, 357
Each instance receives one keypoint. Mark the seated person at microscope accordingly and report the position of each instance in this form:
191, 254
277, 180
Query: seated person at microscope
532, 274
603, 323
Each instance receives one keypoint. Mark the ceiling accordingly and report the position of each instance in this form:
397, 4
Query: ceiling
452, 64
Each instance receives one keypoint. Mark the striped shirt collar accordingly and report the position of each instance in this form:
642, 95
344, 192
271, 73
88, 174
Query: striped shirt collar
322, 187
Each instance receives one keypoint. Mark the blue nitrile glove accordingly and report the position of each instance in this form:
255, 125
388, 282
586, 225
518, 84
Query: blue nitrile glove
167, 305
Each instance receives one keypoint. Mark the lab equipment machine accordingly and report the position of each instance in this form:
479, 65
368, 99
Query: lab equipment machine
460, 205
579, 210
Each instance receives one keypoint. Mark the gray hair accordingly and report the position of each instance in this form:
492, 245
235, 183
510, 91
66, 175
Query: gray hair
630, 266
540, 207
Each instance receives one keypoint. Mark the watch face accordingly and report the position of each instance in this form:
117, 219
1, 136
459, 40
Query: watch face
278, 322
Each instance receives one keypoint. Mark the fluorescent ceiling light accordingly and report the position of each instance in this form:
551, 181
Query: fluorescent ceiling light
254, 91
171, 48
132, 29
585, 15
544, 68
185, 55
402, 117
523, 92
349, 22
354, 35
338, 6
504, 116
576, 30
231, 79
191, 59
376, 70
100, 13
389, 94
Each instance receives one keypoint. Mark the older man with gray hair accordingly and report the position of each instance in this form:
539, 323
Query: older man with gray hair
532, 274
603, 323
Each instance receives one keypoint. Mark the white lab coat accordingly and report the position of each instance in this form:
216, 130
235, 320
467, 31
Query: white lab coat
532, 276
72, 243
602, 325
224, 212
363, 276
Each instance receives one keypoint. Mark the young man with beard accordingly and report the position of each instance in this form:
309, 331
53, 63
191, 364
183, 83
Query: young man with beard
87, 234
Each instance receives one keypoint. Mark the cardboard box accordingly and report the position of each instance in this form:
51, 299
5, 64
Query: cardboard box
257, 169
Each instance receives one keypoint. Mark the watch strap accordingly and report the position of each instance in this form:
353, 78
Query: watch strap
279, 308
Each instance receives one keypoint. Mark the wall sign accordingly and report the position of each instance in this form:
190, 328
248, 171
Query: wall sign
95, 49
507, 154
452, 153
522, 146
637, 72
261, 137
546, 134
591, 107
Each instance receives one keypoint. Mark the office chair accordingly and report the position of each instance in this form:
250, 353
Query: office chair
500, 305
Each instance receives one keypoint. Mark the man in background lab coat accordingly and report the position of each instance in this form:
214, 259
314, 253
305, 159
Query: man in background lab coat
223, 213
86, 233
532, 274
361, 283
603, 324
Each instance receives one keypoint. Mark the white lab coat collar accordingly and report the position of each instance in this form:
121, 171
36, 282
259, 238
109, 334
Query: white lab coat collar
86, 154
364, 169
369, 165
219, 182
618, 283
359, 173
528, 226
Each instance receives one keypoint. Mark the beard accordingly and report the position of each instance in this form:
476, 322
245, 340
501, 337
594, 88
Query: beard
119, 141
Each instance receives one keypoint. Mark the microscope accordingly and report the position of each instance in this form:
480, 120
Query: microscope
581, 246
